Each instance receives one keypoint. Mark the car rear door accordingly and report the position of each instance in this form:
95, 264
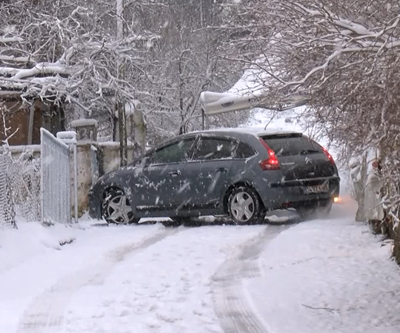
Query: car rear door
301, 159
209, 169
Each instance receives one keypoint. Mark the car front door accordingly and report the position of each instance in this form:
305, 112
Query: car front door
209, 170
161, 185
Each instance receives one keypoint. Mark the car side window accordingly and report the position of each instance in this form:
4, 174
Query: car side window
173, 153
214, 149
244, 151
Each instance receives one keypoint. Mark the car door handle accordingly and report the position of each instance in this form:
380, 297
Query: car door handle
222, 170
175, 173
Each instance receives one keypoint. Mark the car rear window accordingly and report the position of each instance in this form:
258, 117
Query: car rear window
290, 145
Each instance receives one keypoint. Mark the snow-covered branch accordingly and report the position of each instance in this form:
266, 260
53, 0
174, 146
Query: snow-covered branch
13, 59
10, 39
39, 69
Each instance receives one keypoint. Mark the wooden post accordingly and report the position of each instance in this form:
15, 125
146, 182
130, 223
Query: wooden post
120, 102
31, 119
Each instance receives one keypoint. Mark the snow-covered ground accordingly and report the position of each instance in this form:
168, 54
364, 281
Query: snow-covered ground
114, 279
327, 275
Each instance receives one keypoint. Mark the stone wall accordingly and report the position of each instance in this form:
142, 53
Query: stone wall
109, 156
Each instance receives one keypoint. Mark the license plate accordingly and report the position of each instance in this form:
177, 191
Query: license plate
317, 188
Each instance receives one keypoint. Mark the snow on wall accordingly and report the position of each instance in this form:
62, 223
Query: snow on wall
83, 122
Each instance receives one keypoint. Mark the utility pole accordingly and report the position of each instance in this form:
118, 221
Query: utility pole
120, 101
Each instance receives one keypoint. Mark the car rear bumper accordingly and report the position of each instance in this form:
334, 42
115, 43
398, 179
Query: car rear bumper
293, 193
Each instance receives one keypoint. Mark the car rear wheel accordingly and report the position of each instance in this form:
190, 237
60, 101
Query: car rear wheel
116, 208
244, 206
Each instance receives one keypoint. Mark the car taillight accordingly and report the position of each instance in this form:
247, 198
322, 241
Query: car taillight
328, 155
271, 163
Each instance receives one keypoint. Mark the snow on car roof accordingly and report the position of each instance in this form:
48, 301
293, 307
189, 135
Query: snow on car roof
257, 131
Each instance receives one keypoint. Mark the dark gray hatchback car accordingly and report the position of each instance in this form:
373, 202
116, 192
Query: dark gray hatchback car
241, 173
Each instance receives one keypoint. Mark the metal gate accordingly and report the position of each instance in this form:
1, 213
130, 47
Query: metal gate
55, 179
3, 187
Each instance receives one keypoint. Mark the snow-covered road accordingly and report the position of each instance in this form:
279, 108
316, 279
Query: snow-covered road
321, 276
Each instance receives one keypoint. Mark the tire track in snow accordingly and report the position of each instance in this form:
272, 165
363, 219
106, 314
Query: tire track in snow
230, 304
46, 313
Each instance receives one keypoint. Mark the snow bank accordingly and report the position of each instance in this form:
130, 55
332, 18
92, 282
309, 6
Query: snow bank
29, 240
36, 277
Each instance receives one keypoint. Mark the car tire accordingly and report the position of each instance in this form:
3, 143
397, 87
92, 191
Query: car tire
116, 208
314, 212
245, 207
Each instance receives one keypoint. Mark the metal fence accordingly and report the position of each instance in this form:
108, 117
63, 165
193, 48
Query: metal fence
7, 212
24, 186
55, 179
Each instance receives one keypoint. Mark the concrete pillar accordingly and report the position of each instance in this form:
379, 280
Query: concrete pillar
86, 136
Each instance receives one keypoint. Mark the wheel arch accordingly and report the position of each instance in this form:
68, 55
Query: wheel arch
117, 187
110, 187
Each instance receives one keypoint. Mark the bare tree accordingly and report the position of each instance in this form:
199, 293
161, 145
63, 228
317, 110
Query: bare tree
343, 56
186, 60
68, 52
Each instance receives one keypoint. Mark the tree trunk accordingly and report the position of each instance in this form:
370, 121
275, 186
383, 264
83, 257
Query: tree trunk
120, 104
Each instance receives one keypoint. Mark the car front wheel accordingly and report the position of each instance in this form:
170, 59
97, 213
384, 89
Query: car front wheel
116, 207
244, 206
